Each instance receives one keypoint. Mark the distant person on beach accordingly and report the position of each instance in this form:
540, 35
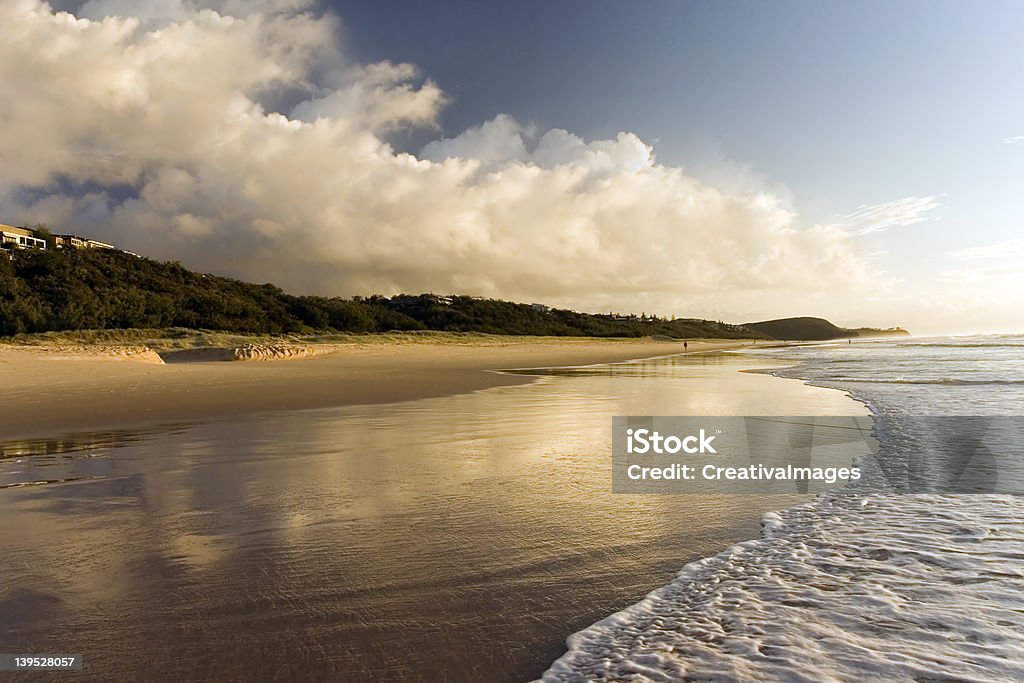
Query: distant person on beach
685, 345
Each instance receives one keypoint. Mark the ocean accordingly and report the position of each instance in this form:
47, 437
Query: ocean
912, 574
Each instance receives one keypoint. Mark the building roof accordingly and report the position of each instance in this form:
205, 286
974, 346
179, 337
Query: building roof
10, 229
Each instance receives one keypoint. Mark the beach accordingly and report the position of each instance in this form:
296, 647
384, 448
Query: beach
394, 509
459, 537
52, 388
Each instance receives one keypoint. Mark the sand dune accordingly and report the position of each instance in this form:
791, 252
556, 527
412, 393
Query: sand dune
55, 352
247, 352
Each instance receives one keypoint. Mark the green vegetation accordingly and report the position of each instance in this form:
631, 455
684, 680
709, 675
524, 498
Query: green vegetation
87, 289
817, 329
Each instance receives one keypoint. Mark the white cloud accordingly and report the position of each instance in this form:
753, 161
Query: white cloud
878, 217
159, 133
1014, 140
496, 141
1006, 249
379, 95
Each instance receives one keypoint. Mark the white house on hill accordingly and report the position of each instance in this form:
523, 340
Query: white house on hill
19, 238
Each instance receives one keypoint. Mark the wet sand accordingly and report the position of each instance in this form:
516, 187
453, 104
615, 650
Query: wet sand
51, 391
458, 538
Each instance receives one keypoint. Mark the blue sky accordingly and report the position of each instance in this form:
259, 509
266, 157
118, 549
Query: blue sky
745, 160
844, 103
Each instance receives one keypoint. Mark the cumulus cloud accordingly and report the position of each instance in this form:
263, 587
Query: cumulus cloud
159, 125
879, 217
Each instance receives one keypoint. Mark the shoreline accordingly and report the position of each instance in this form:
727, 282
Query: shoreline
929, 551
244, 500
56, 389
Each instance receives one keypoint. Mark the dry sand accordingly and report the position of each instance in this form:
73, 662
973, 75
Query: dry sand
54, 389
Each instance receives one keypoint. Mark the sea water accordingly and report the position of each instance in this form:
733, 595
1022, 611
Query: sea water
914, 574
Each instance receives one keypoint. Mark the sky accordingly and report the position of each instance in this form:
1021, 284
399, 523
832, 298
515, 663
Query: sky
732, 160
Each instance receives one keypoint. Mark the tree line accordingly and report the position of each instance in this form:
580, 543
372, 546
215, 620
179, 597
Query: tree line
74, 289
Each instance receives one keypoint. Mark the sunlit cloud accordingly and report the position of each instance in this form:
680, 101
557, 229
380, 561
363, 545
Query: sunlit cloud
1014, 140
163, 132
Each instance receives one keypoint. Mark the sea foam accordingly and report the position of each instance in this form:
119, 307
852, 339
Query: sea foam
848, 587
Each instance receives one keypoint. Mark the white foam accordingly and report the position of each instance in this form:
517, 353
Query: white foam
877, 587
